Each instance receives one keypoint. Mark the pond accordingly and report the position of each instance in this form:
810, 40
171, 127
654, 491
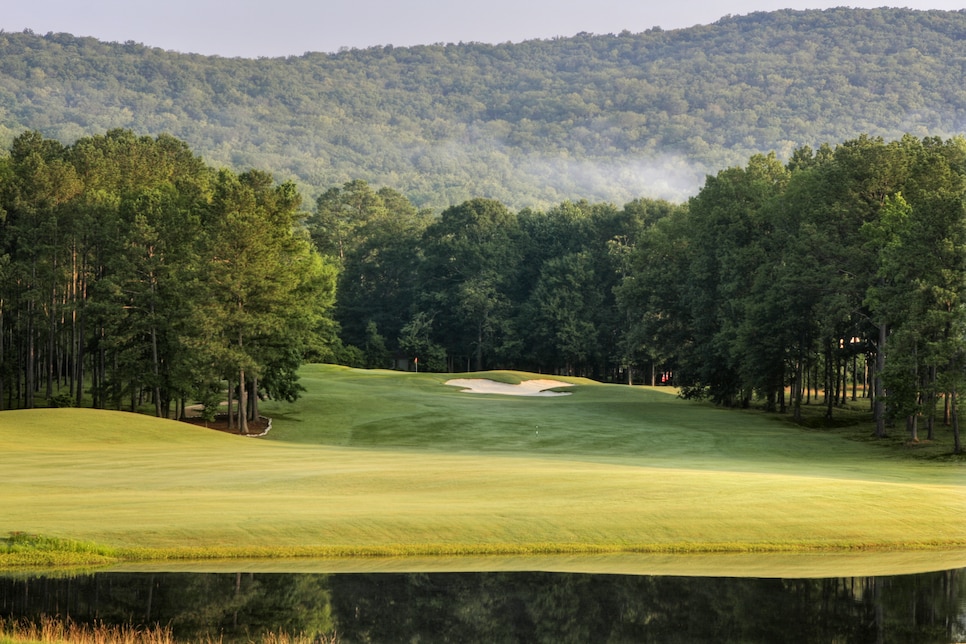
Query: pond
504, 606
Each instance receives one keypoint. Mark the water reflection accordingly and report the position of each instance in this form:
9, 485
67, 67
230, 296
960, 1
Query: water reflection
506, 607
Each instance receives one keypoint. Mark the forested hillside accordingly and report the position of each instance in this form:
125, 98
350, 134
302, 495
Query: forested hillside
600, 117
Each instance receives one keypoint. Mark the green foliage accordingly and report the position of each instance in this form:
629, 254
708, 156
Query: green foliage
415, 340
61, 400
600, 117
137, 272
377, 355
20, 549
211, 398
788, 277
470, 253
374, 236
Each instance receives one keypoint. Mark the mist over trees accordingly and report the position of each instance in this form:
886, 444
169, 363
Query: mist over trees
595, 117
842, 271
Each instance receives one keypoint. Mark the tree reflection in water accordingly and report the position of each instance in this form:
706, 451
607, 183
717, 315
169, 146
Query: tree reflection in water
506, 607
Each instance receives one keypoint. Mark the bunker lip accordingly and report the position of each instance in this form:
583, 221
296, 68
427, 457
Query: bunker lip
538, 387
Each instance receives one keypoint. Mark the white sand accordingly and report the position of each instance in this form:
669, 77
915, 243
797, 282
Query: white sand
525, 388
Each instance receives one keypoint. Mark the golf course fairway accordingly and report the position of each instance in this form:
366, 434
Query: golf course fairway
377, 464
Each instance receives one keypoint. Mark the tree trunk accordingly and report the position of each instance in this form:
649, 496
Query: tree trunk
156, 373
830, 384
879, 397
102, 366
51, 332
871, 380
836, 375
231, 395
17, 346
797, 387
28, 401
844, 396
954, 418
782, 402
855, 376
912, 424
95, 382
254, 399
154, 357
807, 383
479, 346
242, 403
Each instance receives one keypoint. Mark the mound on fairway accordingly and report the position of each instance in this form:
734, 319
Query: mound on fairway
384, 463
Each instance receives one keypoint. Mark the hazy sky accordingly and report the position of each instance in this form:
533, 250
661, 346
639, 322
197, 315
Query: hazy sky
253, 28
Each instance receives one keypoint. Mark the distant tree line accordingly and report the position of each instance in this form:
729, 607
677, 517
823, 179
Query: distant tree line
480, 286
845, 265
781, 275
597, 117
132, 274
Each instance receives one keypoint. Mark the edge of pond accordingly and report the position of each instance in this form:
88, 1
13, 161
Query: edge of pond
758, 565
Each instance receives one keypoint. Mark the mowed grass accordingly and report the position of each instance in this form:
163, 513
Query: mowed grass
386, 463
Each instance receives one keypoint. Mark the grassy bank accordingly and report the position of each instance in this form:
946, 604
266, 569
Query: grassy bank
384, 463
65, 631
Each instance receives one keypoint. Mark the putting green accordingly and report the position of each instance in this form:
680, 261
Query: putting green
413, 467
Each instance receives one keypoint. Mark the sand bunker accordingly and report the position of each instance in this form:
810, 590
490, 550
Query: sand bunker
525, 388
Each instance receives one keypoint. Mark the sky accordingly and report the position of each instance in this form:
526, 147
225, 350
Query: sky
256, 28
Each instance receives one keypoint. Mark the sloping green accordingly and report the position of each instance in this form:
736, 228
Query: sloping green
385, 463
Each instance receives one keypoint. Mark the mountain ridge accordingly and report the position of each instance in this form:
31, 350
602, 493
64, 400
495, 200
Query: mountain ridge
602, 117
